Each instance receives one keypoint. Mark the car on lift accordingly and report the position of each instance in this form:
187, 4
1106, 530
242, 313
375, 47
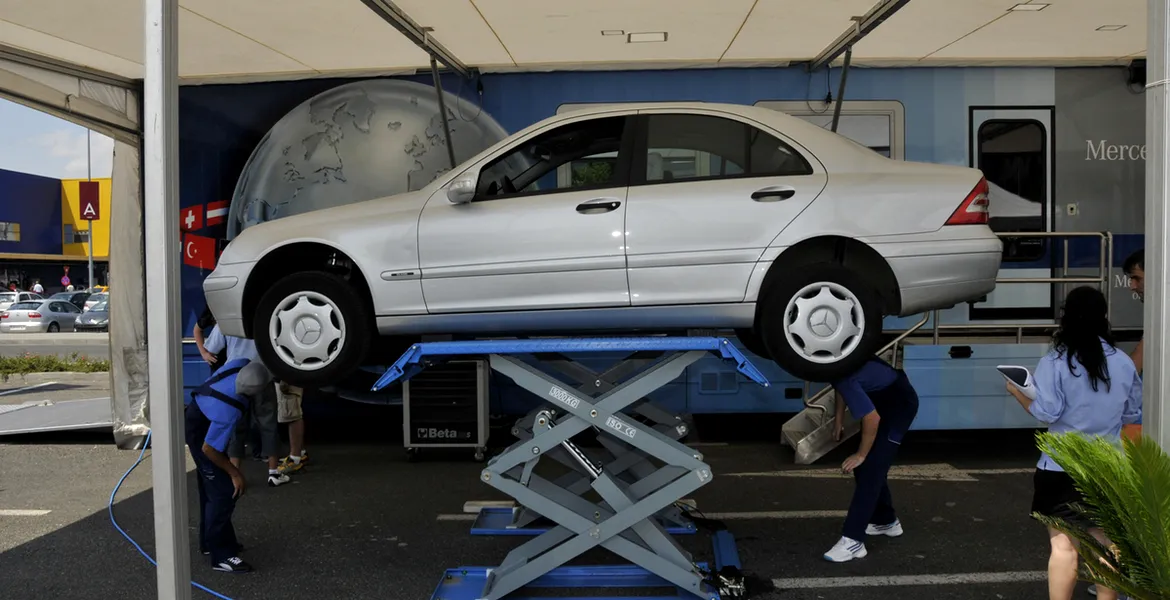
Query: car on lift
648, 217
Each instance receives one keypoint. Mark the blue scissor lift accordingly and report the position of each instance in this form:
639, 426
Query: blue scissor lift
639, 502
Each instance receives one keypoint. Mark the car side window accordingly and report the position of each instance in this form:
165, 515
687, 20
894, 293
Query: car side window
580, 155
56, 307
691, 147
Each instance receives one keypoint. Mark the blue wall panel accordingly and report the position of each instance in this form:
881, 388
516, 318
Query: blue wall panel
34, 202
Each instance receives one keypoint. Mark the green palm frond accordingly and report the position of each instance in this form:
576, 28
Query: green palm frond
1126, 491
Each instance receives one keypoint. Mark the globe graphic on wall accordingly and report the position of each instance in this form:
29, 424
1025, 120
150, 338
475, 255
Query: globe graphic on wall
355, 142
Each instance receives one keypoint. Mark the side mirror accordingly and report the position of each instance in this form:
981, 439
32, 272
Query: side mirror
462, 189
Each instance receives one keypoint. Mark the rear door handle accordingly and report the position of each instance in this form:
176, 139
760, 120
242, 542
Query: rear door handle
598, 206
773, 193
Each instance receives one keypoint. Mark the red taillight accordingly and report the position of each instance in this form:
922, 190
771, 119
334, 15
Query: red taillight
34, 315
973, 210
4, 316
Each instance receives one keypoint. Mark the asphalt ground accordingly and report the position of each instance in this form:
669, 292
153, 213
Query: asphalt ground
92, 345
364, 522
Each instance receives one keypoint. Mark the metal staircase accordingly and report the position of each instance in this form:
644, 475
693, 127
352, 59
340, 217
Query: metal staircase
810, 432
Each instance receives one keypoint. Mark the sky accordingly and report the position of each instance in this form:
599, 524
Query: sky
35, 142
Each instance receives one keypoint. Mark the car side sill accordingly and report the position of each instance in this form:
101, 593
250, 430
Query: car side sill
633, 318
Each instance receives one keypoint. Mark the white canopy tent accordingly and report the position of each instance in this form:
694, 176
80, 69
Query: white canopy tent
263, 40
89, 61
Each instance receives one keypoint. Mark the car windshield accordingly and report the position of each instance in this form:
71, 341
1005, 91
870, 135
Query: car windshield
7, 297
25, 306
62, 296
99, 298
101, 306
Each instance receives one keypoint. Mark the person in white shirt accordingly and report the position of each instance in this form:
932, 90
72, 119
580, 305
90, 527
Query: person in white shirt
37, 287
263, 408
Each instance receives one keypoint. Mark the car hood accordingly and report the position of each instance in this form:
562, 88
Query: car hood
94, 316
319, 225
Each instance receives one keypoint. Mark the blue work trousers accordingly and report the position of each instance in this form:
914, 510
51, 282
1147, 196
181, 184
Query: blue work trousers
216, 504
872, 502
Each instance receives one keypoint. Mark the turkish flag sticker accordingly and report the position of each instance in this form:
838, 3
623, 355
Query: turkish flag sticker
191, 218
199, 251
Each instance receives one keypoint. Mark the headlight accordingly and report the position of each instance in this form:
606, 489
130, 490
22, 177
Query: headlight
77, 321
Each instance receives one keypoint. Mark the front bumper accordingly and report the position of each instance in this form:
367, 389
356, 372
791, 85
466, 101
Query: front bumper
224, 291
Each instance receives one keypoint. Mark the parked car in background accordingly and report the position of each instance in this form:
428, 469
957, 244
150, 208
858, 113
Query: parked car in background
9, 298
95, 298
97, 318
39, 316
75, 298
643, 217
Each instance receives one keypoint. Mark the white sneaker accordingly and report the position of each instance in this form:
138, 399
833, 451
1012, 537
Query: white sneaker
845, 550
278, 479
1093, 590
893, 529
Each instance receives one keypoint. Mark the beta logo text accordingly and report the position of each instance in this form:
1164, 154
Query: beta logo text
434, 433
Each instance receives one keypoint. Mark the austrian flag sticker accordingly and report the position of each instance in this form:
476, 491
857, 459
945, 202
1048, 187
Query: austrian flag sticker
216, 212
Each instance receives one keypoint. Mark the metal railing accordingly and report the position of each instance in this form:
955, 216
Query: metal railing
1104, 267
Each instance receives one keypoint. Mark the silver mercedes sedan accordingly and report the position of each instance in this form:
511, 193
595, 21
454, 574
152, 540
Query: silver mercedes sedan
652, 218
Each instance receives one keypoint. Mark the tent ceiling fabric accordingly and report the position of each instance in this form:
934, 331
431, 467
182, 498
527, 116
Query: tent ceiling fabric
257, 40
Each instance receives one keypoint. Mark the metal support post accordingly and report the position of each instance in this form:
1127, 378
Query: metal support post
443, 110
841, 88
161, 180
89, 177
1156, 386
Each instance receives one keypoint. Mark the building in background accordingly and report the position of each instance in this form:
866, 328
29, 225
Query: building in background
39, 237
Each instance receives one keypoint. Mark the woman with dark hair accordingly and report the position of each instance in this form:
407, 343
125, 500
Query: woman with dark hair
1085, 385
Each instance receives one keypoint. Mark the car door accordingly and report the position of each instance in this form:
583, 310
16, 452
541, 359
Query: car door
544, 229
709, 191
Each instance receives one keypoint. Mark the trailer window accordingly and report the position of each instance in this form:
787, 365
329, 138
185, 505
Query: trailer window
1013, 158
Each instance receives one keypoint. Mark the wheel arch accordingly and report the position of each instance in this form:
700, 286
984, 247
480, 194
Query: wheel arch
847, 252
299, 257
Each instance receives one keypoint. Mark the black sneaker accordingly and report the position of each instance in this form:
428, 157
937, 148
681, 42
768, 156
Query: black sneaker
234, 564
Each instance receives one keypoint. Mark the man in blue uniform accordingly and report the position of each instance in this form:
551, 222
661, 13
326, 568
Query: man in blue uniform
885, 402
212, 413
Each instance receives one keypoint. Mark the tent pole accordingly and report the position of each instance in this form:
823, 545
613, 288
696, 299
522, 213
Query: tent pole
1156, 392
164, 342
841, 88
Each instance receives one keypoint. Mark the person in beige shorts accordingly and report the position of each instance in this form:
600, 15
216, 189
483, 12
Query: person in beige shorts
289, 411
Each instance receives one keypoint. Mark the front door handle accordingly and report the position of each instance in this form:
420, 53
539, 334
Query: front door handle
598, 206
773, 193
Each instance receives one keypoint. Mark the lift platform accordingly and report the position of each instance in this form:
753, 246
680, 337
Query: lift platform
636, 497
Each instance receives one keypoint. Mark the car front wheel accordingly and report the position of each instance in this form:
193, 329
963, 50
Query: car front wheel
312, 329
821, 322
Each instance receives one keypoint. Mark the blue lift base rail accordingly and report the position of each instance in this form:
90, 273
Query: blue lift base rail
497, 521
467, 583
411, 361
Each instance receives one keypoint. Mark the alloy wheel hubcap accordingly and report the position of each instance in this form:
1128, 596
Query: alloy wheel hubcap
307, 330
823, 322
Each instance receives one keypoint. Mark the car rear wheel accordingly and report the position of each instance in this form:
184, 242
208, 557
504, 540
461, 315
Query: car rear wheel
821, 322
54, 327
312, 329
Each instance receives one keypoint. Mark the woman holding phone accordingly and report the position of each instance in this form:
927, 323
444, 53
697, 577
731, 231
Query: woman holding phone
1083, 385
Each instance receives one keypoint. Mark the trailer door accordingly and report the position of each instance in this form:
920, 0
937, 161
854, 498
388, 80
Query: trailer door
1013, 146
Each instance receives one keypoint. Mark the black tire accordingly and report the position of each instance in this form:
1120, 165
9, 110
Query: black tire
350, 353
750, 338
54, 327
772, 322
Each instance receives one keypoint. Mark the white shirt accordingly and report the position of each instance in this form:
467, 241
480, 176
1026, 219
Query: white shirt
37, 289
236, 347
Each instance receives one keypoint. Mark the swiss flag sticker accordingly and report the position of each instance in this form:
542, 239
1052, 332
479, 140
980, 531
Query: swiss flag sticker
199, 251
191, 218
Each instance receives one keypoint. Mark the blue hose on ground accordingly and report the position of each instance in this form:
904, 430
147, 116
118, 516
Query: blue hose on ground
110, 508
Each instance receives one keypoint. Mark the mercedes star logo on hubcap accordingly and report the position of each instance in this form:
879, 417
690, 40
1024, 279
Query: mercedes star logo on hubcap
823, 322
307, 331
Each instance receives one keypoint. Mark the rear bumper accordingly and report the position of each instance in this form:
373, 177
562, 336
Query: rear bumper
942, 274
25, 327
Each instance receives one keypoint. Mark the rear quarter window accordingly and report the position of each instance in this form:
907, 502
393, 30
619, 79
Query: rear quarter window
25, 306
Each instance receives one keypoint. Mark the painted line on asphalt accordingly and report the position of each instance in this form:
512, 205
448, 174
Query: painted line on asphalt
776, 514
22, 512
27, 388
909, 580
722, 516
927, 472
1011, 471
